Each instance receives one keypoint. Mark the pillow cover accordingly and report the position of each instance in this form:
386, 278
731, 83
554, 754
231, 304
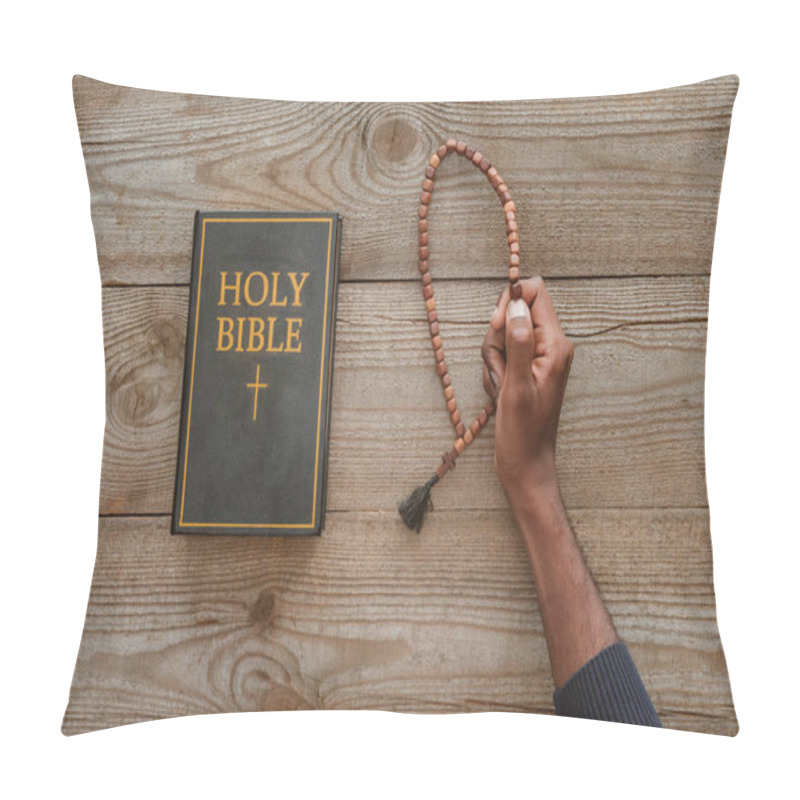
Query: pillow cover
616, 200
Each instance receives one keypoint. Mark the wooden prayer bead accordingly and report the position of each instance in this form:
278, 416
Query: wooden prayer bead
460, 430
475, 427
469, 152
511, 225
455, 417
513, 274
513, 261
423, 253
515, 291
441, 368
459, 446
483, 417
430, 172
514, 248
477, 157
441, 152
510, 207
491, 173
449, 392
484, 165
426, 278
451, 404
468, 437
427, 185
451, 145
501, 187
489, 406
427, 291
505, 197
434, 326
423, 266
432, 316
425, 198
422, 225
496, 181
510, 215
423, 212
430, 304
447, 381
512, 237
461, 147
424, 238
434, 162
439, 355
436, 342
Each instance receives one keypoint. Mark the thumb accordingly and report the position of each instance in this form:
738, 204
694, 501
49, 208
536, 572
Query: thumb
519, 343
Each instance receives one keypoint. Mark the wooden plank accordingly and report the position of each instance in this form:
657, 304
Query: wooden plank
632, 424
624, 185
371, 615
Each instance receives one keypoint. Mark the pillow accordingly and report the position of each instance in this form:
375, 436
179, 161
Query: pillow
616, 202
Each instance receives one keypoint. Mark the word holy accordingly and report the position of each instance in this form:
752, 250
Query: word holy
251, 334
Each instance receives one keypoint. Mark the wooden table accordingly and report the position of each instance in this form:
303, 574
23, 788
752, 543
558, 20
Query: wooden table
616, 200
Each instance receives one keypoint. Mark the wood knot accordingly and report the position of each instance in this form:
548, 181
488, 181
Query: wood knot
262, 611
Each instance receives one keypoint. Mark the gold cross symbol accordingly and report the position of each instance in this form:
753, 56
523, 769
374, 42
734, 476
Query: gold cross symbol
256, 386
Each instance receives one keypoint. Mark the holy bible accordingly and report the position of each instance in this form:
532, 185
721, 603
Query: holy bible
255, 415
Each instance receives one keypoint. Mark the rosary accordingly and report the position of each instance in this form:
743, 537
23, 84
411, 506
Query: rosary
414, 508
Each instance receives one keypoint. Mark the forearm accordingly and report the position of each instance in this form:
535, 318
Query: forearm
576, 624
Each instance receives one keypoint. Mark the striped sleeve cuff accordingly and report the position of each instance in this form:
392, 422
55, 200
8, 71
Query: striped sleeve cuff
607, 687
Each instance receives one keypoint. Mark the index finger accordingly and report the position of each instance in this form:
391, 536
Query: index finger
529, 290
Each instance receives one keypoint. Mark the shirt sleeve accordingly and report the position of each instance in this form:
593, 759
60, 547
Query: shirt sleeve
607, 687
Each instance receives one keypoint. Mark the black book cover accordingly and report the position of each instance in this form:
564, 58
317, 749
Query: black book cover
254, 432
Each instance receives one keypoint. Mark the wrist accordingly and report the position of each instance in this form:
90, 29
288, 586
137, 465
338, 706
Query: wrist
535, 502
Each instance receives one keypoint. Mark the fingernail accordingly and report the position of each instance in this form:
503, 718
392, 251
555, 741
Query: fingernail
518, 308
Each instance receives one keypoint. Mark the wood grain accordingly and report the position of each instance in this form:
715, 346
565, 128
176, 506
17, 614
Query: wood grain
624, 185
371, 615
632, 425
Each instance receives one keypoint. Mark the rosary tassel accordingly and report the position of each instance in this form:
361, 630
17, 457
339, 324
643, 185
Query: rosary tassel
416, 506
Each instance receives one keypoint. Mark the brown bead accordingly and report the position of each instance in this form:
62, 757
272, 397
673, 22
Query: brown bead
489, 408
459, 445
461, 147
497, 181
425, 198
449, 392
511, 225
423, 212
510, 215
468, 437
455, 417
477, 157
422, 225
485, 164
436, 342
432, 315
483, 417
434, 162
505, 197
513, 274
451, 404
491, 173
512, 237
423, 253
442, 151
513, 260
427, 291
427, 279
430, 304
430, 172
424, 238
514, 247
427, 185
515, 291
460, 430
423, 266
439, 354
475, 427
441, 368
446, 381
450, 144
434, 326
510, 207
469, 152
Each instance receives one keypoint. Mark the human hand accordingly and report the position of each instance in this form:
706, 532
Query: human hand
526, 365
